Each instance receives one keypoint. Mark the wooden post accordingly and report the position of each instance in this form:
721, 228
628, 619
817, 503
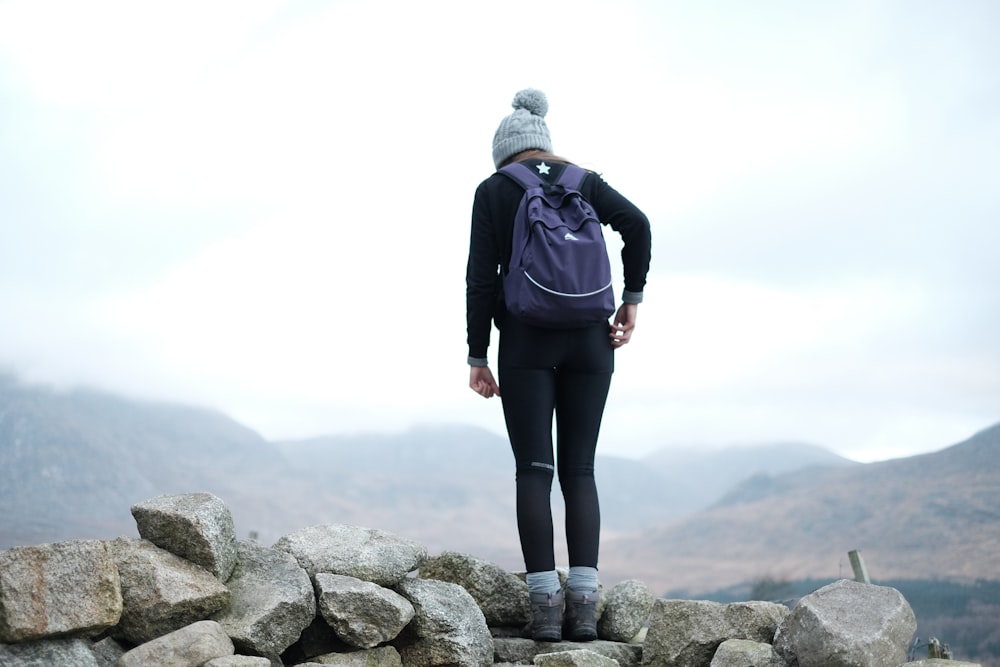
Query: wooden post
858, 565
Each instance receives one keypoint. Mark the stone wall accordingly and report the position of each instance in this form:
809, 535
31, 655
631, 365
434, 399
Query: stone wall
187, 594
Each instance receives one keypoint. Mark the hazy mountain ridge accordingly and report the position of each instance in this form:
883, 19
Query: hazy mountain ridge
659, 487
71, 465
927, 516
709, 475
455, 483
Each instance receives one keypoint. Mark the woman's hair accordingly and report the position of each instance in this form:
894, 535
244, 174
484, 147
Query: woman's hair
534, 153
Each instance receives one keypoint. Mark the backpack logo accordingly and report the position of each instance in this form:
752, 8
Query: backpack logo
559, 273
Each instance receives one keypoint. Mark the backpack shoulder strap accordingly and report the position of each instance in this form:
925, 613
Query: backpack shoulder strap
522, 175
572, 177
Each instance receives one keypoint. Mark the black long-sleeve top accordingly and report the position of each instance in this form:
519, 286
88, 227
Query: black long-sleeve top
493, 211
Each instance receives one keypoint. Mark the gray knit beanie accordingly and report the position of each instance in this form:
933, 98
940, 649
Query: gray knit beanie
523, 129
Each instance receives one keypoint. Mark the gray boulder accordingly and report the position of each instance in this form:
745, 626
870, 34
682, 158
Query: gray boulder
195, 526
190, 646
51, 590
161, 592
688, 632
238, 661
847, 623
517, 651
756, 621
574, 658
626, 610
448, 628
364, 553
382, 656
47, 653
107, 651
743, 652
362, 614
502, 596
271, 601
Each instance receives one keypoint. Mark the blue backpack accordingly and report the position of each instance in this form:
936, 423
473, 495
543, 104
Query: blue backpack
559, 274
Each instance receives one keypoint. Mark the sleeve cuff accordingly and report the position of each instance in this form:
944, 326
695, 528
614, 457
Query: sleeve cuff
631, 297
478, 361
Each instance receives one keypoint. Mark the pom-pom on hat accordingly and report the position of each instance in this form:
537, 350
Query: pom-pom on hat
524, 129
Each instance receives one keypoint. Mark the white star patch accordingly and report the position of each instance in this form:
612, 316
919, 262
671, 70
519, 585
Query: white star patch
543, 168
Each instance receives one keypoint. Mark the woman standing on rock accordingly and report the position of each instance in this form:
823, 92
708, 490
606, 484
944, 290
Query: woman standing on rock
549, 370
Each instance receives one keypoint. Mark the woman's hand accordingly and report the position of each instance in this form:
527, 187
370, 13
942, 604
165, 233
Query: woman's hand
481, 381
621, 330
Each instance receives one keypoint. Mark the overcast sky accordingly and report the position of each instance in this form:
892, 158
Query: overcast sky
263, 207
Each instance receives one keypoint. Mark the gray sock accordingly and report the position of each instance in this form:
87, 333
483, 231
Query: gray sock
582, 579
543, 582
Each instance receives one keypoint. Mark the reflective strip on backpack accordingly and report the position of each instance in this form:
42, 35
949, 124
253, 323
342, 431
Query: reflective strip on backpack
551, 291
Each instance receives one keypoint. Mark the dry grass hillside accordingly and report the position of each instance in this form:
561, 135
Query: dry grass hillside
930, 516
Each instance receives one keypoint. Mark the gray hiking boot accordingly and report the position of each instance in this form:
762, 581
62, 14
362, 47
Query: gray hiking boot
546, 617
581, 615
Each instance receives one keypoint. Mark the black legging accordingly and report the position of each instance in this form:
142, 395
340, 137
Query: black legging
566, 372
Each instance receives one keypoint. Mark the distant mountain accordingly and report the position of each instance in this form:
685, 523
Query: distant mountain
449, 487
469, 471
930, 516
702, 476
73, 463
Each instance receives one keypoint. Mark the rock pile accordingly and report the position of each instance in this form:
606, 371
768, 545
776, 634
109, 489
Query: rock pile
188, 594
